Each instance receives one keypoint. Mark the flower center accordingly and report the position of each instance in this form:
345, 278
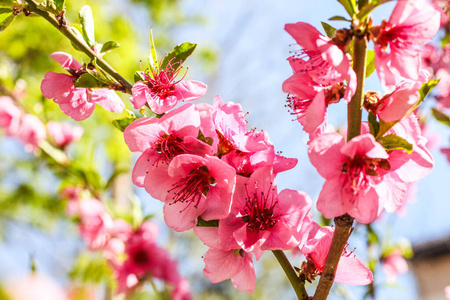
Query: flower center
193, 187
259, 209
169, 146
357, 169
140, 257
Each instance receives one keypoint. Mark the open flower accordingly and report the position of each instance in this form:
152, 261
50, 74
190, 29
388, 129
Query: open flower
413, 23
161, 91
320, 68
77, 103
354, 183
10, 115
193, 186
350, 269
261, 219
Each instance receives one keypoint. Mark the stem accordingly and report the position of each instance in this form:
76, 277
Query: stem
343, 229
344, 223
354, 108
65, 30
297, 284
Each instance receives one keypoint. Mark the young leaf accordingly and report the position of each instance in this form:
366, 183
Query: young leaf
441, 117
179, 54
394, 142
123, 122
338, 18
349, 5
153, 58
373, 124
60, 4
370, 62
6, 20
108, 46
138, 76
87, 25
426, 89
88, 80
5, 10
329, 30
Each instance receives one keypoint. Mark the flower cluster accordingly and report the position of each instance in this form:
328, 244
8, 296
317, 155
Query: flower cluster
132, 253
373, 171
204, 164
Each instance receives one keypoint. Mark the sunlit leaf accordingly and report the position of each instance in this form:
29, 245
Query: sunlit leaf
6, 20
123, 122
338, 18
394, 142
441, 117
87, 25
370, 63
108, 46
87, 80
329, 30
179, 54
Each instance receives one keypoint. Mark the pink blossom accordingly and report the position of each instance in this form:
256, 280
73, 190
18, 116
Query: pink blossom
31, 132
192, 186
443, 97
220, 264
349, 271
353, 184
319, 71
161, 91
77, 103
321, 57
397, 104
161, 140
10, 116
64, 133
393, 265
412, 24
261, 219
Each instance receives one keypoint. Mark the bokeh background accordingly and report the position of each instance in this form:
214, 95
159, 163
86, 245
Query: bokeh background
241, 56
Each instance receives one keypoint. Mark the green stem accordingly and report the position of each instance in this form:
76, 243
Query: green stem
65, 30
354, 108
297, 284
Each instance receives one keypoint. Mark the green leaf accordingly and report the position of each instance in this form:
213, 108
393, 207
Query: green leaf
370, 62
338, 18
108, 46
350, 6
60, 4
123, 122
7, 3
87, 80
153, 58
138, 76
373, 124
367, 9
87, 25
6, 20
394, 142
92, 268
329, 30
441, 117
5, 10
427, 87
179, 54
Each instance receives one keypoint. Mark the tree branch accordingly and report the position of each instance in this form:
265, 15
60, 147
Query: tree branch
33, 7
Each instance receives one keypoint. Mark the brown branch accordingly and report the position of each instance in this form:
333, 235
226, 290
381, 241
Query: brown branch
341, 234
